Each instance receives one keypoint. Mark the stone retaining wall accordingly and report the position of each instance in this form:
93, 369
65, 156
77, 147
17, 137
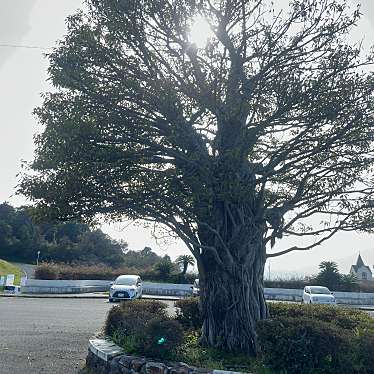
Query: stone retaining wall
104, 357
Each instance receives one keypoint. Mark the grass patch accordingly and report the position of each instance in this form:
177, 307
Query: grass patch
193, 354
7, 268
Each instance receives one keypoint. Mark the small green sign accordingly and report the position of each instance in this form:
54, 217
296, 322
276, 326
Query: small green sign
161, 341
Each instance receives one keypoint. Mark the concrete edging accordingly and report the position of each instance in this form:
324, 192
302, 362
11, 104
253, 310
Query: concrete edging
82, 296
104, 349
37, 286
105, 357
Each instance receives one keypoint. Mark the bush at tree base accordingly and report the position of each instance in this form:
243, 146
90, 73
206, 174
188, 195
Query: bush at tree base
129, 316
298, 339
365, 352
143, 327
188, 313
302, 345
162, 338
342, 317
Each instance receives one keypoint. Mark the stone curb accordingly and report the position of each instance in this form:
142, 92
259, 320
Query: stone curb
78, 296
104, 349
114, 356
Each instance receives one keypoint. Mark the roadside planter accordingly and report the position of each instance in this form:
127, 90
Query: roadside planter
105, 357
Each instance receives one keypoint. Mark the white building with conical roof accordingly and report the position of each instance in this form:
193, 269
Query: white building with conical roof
361, 271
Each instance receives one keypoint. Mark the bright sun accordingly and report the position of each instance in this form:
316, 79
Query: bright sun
200, 31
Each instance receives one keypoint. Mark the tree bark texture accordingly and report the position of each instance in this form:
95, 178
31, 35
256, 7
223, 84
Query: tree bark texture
231, 288
232, 302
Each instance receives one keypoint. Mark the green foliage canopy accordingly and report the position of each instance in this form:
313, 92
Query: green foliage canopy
21, 239
230, 146
146, 125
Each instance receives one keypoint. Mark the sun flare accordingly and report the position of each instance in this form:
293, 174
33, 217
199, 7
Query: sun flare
200, 31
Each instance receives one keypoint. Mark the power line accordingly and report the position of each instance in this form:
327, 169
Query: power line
6, 45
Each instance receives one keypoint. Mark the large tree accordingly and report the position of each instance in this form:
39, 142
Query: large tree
230, 145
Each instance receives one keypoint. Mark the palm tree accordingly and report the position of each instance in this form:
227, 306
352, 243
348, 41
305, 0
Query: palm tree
329, 266
184, 261
328, 275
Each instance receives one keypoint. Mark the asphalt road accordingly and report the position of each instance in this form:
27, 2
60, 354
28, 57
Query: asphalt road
27, 268
48, 336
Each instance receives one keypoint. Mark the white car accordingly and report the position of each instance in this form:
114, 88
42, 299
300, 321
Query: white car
318, 295
126, 287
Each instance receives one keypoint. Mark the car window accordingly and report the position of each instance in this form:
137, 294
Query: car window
319, 290
125, 282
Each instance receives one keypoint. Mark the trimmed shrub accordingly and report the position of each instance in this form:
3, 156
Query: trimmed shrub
342, 317
113, 320
130, 317
143, 327
302, 345
46, 271
188, 313
365, 352
162, 338
158, 308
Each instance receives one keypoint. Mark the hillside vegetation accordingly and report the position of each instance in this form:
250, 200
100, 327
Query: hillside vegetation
7, 268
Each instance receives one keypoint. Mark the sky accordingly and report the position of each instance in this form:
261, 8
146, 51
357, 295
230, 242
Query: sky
23, 77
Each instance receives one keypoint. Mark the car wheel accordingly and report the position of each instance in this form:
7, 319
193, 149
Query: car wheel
111, 300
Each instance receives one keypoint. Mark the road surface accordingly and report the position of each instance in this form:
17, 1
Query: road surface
28, 269
48, 336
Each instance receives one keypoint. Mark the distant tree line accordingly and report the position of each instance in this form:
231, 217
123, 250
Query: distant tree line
328, 276
77, 243
21, 239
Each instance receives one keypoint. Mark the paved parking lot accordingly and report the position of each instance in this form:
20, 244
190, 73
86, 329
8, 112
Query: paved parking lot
48, 336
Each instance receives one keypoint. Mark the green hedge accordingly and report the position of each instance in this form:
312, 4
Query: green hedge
317, 339
188, 313
100, 271
143, 327
365, 352
305, 339
342, 317
303, 345
131, 315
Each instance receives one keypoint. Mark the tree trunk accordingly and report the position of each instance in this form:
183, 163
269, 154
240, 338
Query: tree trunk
232, 301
